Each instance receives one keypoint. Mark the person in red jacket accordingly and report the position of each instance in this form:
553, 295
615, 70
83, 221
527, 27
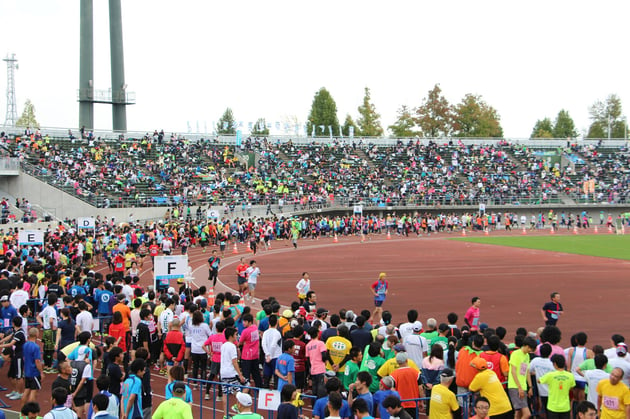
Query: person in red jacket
174, 346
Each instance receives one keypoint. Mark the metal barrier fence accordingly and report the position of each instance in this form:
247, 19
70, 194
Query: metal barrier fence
465, 398
214, 388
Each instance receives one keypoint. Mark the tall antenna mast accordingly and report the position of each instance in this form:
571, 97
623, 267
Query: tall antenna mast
11, 116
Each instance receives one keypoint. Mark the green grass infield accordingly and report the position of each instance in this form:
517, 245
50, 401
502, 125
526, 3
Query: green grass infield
609, 246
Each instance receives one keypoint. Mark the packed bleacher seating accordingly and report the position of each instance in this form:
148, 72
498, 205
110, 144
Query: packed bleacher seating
156, 171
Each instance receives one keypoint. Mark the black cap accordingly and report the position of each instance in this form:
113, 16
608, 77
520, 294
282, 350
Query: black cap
179, 387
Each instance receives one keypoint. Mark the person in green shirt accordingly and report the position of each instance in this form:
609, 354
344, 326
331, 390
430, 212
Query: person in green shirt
441, 338
175, 407
244, 402
352, 367
372, 361
431, 333
560, 383
30, 410
519, 379
589, 364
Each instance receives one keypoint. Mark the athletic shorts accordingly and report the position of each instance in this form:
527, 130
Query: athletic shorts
378, 303
215, 369
581, 385
33, 383
517, 402
231, 382
251, 286
240, 280
16, 369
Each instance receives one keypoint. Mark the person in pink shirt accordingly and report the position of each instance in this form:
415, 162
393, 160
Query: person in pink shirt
213, 348
551, 335
250, 343
317, 354
472, 315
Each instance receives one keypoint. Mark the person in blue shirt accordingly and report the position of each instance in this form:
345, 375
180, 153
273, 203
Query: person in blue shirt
77, 288
385, 389
285, 365
32, 366
99, 404
84, 339
131, 400
103, 296
362, 388
176, 373
59, 396
319, 409
7, 313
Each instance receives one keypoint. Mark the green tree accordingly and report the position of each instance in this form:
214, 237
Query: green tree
323, 114
403, 127
369, 120
473, 117
28, 116
349, 122
435, 116
607, 119
227, 123
542, 129
260, 127
564, 127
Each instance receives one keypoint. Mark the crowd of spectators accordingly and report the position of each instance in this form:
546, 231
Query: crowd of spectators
156, 170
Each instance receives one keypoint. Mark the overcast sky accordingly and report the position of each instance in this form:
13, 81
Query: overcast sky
189, 60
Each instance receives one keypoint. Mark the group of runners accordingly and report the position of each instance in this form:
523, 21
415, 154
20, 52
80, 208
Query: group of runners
364, 357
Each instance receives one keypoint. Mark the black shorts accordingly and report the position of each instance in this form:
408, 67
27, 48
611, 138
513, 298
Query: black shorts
79, 401
215, 368
241, 280
33, 383
16, 369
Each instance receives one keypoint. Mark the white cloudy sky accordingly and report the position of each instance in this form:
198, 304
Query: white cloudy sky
188, 60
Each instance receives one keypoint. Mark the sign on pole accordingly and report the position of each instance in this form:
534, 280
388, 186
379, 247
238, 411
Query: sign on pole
169, 267
268, 399
31, 238
212, 214
358, 209
87, 223
482, 207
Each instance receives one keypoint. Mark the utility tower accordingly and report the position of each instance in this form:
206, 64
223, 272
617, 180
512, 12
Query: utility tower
117, 95
11, 117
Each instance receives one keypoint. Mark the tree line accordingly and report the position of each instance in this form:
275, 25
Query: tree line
435, 117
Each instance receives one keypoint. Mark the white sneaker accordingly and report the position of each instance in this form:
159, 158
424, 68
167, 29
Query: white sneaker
207, 397
9, 395
16, 396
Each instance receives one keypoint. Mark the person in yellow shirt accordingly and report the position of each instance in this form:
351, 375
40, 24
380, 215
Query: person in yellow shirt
443, 401
560, 383
489, 386
175, 407
338, 349
390, 365
613, 397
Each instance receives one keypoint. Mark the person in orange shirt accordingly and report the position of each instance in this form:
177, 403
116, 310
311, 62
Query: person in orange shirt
124, 310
